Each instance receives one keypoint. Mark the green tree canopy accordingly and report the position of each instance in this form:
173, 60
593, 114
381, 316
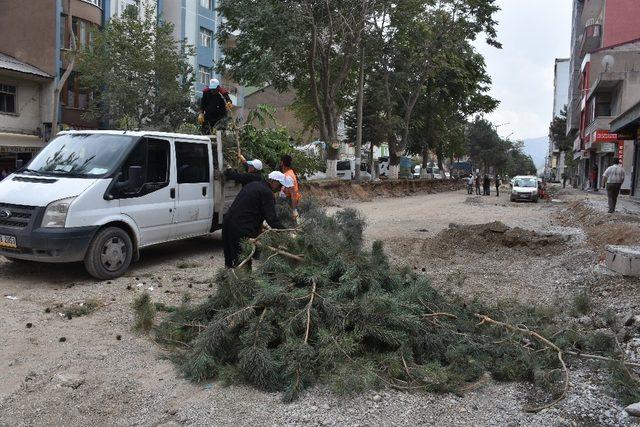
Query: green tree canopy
139, 75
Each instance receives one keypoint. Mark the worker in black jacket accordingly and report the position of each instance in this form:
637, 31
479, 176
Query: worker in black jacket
214, 105
254, 172
253, 205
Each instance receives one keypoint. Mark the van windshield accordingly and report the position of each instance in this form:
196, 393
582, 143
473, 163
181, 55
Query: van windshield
344, 165
526, 182
81, 155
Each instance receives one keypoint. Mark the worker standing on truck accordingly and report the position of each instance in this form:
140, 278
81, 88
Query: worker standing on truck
214, 106
292, 194
253, 205
253, 168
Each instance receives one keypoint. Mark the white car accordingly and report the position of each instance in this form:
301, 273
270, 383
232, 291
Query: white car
101, 196
524, 187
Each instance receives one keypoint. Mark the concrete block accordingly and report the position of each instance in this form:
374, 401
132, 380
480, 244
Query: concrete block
623, 259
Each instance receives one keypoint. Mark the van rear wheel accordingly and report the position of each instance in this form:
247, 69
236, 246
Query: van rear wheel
109, 254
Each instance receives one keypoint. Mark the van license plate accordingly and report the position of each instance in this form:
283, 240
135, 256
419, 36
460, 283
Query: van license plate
8, 241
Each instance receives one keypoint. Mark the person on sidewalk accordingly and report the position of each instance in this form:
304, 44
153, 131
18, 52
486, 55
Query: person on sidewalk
612, 180
477, 184
497, 182
594, 178
254, 172
214, 106
486, 185
564, 180
470, 184
253, 205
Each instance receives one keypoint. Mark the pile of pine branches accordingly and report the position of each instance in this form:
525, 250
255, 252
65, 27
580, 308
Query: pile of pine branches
321, 308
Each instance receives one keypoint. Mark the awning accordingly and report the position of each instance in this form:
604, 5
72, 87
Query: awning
10, 63
18, 143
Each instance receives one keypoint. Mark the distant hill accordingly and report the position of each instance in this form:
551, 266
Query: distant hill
537, 148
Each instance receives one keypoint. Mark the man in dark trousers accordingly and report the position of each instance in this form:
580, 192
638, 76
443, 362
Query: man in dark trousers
214, 105
612, 179
477, 184
497, 179
254, 172
486, 185
253, 205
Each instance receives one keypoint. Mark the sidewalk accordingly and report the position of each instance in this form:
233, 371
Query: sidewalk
598, 200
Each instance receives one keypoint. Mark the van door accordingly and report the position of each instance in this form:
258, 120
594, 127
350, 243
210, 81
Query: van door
194, 207
152, 205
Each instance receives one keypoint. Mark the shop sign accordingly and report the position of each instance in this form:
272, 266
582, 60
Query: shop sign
621, 151
607, 147
605, 136
14, 149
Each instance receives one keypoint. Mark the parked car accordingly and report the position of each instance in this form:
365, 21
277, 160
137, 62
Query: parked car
346, 169
101, 196
524, 187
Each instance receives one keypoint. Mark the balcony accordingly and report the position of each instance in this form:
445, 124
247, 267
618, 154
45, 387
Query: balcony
606, 82
600, 123
591, 39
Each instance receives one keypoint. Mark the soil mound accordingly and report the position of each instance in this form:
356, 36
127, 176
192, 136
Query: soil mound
491, 237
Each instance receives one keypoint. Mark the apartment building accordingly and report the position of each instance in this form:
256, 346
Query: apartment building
196, 21
33, 56
555, 162
604, 89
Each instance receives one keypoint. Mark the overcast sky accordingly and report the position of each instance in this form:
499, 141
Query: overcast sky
533, 33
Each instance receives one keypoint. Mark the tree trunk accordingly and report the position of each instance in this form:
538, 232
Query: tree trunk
360, 111
65, 75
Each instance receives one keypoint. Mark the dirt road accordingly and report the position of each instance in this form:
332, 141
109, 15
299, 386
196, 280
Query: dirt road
95, 370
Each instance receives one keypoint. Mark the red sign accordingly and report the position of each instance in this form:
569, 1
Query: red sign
604, 136
621, 150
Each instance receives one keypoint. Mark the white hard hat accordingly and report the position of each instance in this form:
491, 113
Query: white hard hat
214, 83
281, 178
257, 164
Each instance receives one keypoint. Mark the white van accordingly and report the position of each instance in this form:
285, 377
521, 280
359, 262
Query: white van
101, 196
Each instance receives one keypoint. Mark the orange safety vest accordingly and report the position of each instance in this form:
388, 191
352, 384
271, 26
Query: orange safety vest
294, 192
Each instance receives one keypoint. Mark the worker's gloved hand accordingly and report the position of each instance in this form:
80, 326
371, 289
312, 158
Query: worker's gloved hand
242, 158
201, 119
229, 106
296, 215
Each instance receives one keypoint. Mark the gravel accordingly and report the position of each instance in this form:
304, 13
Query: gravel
105, 374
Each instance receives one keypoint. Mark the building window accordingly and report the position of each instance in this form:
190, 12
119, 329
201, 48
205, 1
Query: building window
81, 29
8, 98
94, 2
207, 4
205, 75
124, 4
74, 96
206, 37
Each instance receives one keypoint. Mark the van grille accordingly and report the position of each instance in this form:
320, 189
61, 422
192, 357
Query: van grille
19, 216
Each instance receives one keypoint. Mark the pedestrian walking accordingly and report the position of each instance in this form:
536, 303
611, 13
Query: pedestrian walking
564, 180
497, 182
486, 185
612, 179
253, 205
477, 184
470, 184
214, 106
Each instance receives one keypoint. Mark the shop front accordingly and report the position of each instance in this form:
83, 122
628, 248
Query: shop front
17, 150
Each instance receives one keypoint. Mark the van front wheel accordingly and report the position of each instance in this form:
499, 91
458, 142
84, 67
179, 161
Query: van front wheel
109, 254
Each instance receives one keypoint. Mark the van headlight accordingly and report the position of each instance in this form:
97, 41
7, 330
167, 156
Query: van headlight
55, 215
